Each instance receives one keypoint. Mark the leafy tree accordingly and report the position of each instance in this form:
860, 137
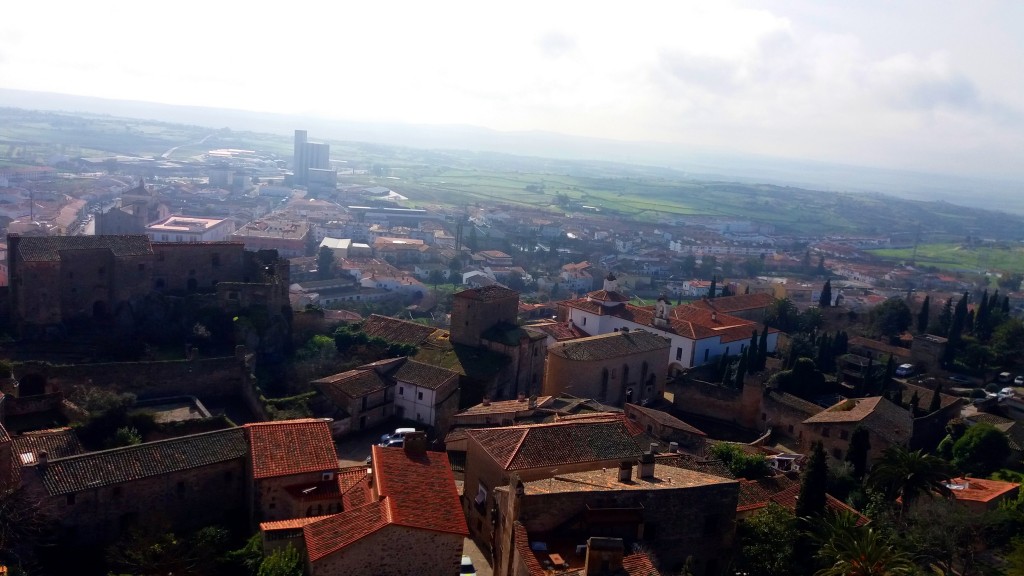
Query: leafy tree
282, 562
857, 453
436, 278
741, 464
923, 315
803, 380
891, 318
25, 527
863, 552
825, 300
908, 475
811, 320
1007, 341
766, 542
325, 263
813, 484
126, 436
783, 314
982, 450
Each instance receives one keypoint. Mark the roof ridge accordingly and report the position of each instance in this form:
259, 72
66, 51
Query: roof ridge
145, 444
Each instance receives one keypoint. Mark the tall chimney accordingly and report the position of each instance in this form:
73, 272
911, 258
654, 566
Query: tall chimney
415, 443
645, 466
625, 471
533, 401
604, 556
44, 458
486, 401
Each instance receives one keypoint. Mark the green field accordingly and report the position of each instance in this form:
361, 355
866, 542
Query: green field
959, 257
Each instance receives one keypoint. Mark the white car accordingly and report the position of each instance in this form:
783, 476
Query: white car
1018, 381
467, 568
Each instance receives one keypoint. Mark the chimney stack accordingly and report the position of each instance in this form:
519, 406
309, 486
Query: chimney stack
654, 447
533, 401
44, 458
673, 447
415, 443
521, 398
604, 556
625, 471
645, 466
486, 401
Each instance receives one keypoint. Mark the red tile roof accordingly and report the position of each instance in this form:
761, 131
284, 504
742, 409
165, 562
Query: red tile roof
666, 419
487, 293
639, 564
980, 489
340, 530
291, 447
420, 488
737, 303
291, 523
558, 443
787, 499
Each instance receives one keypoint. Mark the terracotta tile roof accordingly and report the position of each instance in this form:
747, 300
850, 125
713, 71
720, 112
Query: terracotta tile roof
488, 293
876, 414
395, 330
607, 296
358, 494
787, 499
335, 532
687, 321
291, 524
639, 564
424, 375
666, 419
291, 447
58, 443
607, 480
690, 462
353, 384
738, 303
555, 444
756, 493
924, 396
49, 248
95, 469
980, 489
795, 402
4, 436
504, 407
559, 330
522, 544
420, 488
344, 480
861, 342
612, 345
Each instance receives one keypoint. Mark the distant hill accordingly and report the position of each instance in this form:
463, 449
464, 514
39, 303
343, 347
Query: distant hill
696, 164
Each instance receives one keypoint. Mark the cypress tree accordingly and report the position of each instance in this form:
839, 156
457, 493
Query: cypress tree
956, 329
936, 401
868, 382
981, 314
857, 453
752, 353
811, 502
723, 366
741, 370
762, 350
713, 288
1006, 305
915, 400
946, 318
993, 301
922, 316
747, 289
825, 300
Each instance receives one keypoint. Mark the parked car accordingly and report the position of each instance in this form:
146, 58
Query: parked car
394, 443
398, 433
467, 568
1018, 381
904, 370
960, 379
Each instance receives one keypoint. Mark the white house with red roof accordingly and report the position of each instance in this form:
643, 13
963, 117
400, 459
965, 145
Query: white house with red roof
698, 335
411, 524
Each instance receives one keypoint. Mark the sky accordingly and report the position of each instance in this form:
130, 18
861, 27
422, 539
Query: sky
933, 86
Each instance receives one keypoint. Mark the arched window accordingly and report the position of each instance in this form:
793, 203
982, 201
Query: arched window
604, 385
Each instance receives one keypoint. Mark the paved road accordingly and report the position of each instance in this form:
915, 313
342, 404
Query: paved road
167, 154
480, 561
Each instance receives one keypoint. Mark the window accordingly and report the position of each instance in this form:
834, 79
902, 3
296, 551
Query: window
679, 354
844, 435
584, 320
790, 428
401, 390
364, 403
419, 396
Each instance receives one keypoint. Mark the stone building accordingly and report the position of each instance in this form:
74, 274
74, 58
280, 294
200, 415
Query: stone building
617, 368
476, 311
887, 425
672, 513
287, 460
532, 452
62, 279
402, 387
185, 482
667, 428
412, 522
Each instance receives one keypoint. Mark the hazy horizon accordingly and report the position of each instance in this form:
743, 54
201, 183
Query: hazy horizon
915, 87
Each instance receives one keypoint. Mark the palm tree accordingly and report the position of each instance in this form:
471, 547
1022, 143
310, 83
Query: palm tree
906, 475
862, 552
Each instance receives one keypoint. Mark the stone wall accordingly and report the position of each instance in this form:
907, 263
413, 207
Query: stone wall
727, 404
395, 551
221, 377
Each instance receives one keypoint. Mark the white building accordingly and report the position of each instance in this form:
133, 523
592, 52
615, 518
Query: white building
190, 229
698, 336
421, 390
